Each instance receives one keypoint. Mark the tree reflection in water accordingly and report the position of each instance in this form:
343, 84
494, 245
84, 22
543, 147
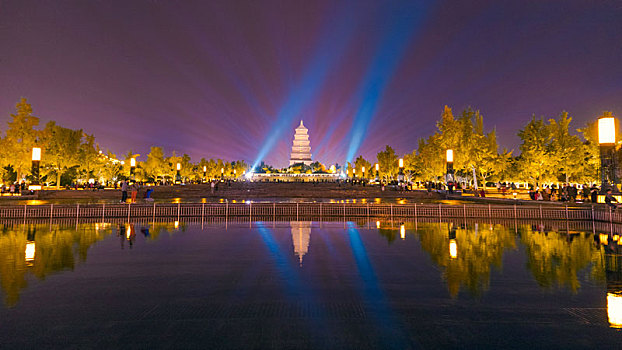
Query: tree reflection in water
466, 253
42, 249
553, 258
556, 258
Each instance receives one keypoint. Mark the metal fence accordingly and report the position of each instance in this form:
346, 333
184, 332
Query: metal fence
254, 211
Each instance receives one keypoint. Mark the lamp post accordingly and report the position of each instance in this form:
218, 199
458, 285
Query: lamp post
178, 176
36, 159
132, 167
204, 173
453, 245
400, 173
449, 177
607, 141
377, 172
235, 173
353, 173
222, 173
363, 171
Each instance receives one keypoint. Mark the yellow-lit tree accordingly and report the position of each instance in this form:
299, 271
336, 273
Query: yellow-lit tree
62, 146
21, 137
388, 162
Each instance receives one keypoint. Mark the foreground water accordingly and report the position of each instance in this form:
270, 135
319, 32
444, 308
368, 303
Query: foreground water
300, 285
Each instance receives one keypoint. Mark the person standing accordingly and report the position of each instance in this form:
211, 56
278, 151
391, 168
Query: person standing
609, 199
124, 191
134, 189
585, 193
572, 193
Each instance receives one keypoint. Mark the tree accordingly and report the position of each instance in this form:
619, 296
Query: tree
240, 167
413, 166
387, 161
317, 167
566, 149
112, 167
156, 166
20, 138
431, 158
61, 149
361, 162
536, 160
89, 159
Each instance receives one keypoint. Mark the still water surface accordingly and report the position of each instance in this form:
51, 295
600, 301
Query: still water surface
299, 285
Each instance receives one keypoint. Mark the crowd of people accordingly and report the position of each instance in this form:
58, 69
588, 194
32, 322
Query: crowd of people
565, 193
14, 189
133, 188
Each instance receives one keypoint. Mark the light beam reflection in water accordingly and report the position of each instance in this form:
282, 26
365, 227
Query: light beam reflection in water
333, 282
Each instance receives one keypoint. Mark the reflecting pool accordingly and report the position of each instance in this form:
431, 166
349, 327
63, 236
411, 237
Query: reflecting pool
323, 285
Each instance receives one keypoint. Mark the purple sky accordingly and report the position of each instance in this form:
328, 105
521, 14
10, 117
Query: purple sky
215, 79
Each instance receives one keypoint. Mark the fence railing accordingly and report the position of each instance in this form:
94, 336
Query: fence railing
304, 210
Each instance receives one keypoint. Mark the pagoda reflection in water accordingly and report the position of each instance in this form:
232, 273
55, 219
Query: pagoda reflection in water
301, 235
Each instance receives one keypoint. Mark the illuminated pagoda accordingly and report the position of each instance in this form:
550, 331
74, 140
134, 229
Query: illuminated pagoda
301, 151
301, 235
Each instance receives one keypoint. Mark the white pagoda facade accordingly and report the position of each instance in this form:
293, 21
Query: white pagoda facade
301, 149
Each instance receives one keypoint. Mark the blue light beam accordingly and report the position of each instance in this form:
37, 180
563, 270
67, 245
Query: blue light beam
333, 45
403, 17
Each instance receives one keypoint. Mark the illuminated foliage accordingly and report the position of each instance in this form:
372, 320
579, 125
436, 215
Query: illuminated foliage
156, 167
566, 148
361, 162
21, 136
61, 149
536, 160
388, 163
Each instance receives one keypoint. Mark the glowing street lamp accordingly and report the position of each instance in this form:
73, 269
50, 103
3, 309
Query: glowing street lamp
354, 173
204, 173
222, 173
400, 174
377, 171
607, 141
36, 159
363, 171
178, 175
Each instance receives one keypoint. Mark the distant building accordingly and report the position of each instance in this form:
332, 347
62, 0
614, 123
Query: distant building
301, 151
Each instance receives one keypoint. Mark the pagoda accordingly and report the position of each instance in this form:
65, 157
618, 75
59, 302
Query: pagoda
301, 151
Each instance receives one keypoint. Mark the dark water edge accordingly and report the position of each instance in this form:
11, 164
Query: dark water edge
308, 285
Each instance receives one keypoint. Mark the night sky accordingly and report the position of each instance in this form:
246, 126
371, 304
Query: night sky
232, 79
